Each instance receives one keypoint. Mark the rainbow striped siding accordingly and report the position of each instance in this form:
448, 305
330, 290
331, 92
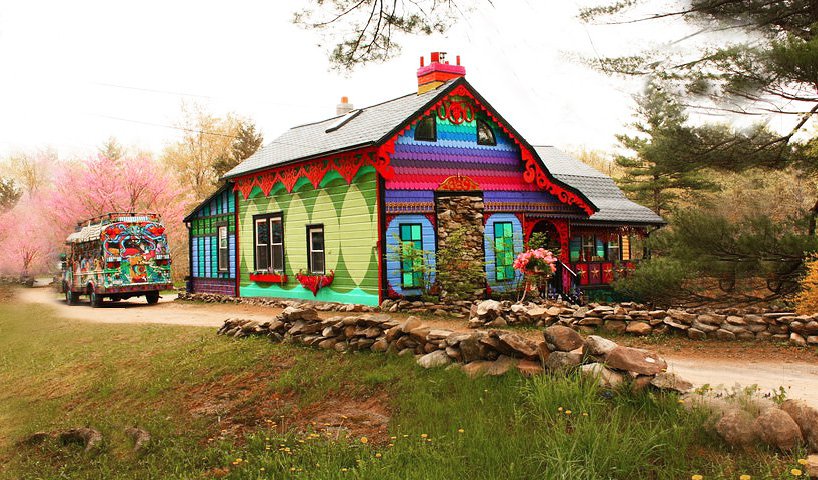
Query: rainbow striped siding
393, 260
218, 210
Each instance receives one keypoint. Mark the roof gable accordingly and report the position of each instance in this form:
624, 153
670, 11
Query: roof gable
379, 125
614, 206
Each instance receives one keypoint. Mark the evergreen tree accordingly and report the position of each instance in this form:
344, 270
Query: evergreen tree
665, 163
245, 144
9, 194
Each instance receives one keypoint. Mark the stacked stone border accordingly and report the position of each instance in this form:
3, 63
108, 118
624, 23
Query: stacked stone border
622, 318
489, 352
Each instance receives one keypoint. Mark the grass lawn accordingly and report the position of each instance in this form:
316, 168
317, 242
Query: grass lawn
249, 409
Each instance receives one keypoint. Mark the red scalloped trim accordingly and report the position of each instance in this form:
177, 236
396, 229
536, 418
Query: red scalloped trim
346, 164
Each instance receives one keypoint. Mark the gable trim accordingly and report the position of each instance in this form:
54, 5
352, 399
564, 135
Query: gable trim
534, 169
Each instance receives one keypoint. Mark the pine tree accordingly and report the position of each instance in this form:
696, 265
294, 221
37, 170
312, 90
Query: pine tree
664, 164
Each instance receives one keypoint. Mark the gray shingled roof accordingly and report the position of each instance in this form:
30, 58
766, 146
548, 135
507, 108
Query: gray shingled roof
600, 189
311, 140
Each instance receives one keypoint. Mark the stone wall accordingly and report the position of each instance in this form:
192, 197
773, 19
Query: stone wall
490, 352
457, 212
622, 318
636, 319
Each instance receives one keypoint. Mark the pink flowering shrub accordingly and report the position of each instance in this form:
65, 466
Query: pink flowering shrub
538, 259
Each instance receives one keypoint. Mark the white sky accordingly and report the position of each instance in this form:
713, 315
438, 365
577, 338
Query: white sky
59, 62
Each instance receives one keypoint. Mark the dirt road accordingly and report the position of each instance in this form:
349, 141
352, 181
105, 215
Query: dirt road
799, 376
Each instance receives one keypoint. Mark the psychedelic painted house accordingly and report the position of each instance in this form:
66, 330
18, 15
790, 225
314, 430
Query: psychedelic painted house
337, 210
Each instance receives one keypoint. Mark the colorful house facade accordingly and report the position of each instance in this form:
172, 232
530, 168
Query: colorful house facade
354, 208
212, 243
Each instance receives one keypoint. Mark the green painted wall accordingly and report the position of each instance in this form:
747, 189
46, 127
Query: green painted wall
350, 219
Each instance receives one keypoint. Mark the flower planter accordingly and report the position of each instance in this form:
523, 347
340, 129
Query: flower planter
268, 277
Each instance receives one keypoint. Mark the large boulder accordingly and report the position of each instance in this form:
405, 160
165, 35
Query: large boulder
776, 428
736, 428
597, 346
635, 360
562, 339
438, 358
806, 418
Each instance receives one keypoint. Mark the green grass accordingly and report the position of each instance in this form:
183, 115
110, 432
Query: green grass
59, 374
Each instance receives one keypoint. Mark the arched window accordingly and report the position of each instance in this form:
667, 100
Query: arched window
485, 135
426, 130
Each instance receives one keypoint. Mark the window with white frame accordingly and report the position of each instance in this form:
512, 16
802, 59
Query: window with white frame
315, 247
224, 248
268, 241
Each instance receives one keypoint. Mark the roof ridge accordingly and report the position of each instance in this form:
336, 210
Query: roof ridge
362, 109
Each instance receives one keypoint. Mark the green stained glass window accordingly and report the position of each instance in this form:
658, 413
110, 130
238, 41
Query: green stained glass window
574, 248
504, 250
411, 236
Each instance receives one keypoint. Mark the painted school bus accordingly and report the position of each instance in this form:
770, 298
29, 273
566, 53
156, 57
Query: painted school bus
117, 256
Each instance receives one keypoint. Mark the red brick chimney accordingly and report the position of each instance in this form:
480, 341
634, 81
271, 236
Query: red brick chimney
437, 72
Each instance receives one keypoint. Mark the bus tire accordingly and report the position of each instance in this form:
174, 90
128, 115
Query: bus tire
96, 300
152, 297
70, 297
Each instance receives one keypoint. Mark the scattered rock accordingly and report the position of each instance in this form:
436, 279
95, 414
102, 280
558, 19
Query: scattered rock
87, 437
34, 439
438, 358
736, 428
777, 429
672, 382
806, 418
139, 437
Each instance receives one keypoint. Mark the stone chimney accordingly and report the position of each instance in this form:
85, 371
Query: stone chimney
437, 72
344, 107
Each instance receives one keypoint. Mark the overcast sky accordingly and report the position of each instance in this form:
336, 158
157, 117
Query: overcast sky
75, 73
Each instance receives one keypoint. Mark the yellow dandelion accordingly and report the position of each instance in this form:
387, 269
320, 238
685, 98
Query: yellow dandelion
796, 472
568, 412
406, 436
261, 469
745, 477
378, 455
292, 469
802, 461
364, 440
344, 469
696, 477
460, 430
584, 414
423, 435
